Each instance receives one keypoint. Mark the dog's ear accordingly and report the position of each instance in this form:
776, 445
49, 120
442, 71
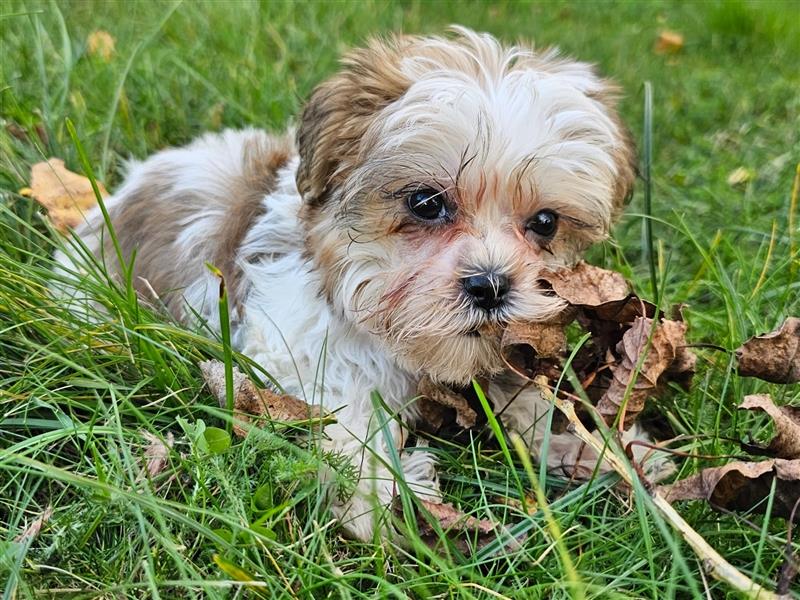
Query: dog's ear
341, 110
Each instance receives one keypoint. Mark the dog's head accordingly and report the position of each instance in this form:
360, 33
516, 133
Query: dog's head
440, 176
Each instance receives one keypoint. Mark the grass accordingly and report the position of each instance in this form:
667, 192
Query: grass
77, 395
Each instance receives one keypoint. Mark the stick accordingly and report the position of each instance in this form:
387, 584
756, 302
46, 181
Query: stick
712, 561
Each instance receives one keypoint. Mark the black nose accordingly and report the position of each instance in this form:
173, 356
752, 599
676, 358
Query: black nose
487, 291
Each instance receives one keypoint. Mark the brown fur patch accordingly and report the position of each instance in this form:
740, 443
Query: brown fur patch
149, 219
261, 164
340, 111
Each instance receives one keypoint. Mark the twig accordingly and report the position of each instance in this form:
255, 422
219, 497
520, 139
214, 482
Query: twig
712, 561
790, 568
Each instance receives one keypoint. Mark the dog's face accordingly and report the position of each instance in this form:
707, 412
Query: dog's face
441, 176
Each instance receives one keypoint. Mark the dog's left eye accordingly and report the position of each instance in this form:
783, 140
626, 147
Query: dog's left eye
428, 204
544, 224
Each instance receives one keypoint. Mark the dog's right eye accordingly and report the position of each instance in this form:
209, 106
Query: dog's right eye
427, 203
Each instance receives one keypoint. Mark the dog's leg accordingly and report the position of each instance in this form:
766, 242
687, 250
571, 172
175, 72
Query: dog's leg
369, 448
523, 410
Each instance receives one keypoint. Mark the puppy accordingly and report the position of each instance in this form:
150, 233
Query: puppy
404, 224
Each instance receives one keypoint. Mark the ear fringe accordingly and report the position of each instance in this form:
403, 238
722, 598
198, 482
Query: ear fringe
341, 110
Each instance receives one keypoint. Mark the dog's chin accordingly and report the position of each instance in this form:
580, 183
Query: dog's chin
452, 360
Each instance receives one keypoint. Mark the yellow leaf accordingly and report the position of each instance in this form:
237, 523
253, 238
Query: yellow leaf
100, 44
65, 195
669, 42
740, 176
232, 571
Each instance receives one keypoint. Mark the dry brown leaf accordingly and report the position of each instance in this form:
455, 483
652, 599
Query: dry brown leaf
67, 196
661, 354
669, 42
32, 530
442, 396
157, 452
743, 486
773, 356
29, 135
251, 401
523, 345
682, 369
786, 442
530, 508
619, 323
101, 44
431, 415
587, 285
456, 524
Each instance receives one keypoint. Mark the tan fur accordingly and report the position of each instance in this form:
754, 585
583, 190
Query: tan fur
340, 110
351, 223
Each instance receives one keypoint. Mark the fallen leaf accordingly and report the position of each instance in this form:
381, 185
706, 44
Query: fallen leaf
740, 176
442, 396
603, 299
683, 367
20, 133
101, 44
157, 452
786, 442
524, 345
743, 486
456, 525
619, 324
587, 285
32, 530
669, 42
65, 195
530, 508
660, 349
431, 415
773, 356
249, 401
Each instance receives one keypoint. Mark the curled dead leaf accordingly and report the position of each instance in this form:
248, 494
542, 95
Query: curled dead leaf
156, 453
619, 324
587, 285
435, 397
524, 345
250, 401
32, 530
653, 349
743, 486
530, 507
669, 42
67, 196
101, 44
773, 356
786, 442
459, 527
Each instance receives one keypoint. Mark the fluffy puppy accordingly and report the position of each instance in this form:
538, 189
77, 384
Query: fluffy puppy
428, 184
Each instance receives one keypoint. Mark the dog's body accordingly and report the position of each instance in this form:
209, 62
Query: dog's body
430, 182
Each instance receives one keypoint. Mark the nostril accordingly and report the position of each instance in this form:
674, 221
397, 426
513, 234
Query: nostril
486, 290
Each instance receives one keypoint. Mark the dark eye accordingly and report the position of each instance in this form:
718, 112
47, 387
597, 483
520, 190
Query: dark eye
544, 223
427, 203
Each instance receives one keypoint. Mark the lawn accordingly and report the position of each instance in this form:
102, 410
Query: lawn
78, 398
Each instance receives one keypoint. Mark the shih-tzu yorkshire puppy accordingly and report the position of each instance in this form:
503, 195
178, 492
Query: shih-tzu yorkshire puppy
392, 236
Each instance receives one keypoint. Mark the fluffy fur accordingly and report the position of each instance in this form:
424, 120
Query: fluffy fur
332, 274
